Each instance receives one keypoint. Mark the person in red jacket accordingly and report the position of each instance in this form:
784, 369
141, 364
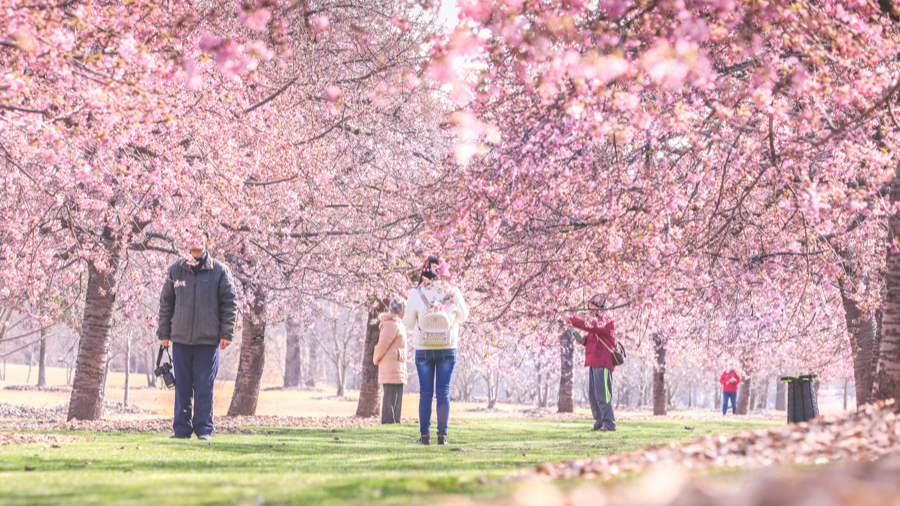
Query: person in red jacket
729, 381
599, 341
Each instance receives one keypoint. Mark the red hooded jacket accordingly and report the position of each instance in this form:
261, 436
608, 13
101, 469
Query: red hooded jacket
595, 354
729, 387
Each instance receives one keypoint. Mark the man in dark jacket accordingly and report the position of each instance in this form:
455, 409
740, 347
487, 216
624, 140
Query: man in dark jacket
599, 342
197, 310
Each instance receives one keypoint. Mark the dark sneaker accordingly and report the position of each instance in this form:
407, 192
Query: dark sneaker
205, 437
606, 429
179, 436
597, 425
425, 439
442, 439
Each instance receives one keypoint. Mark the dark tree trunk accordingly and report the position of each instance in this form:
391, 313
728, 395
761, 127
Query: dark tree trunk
660, 407
292, 361
89, 384
780, 395
42, 360
252, 361
887, 377
313, 362
369, 391
861, 327
876, 347
566, 402
743, 400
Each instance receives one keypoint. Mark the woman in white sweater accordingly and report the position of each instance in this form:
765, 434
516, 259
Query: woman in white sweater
434, 311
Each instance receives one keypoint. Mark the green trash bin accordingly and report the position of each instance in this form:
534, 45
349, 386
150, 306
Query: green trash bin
802, 405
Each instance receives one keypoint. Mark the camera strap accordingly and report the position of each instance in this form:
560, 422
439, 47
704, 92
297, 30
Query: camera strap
159, 355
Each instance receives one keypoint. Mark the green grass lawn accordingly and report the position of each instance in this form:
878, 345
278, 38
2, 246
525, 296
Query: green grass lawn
378, 465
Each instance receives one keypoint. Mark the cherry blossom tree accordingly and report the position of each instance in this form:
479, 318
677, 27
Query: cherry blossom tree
668, 150
203, 133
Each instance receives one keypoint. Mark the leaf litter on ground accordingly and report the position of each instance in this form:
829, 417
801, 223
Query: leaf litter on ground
224, 424
46, 440
869, 434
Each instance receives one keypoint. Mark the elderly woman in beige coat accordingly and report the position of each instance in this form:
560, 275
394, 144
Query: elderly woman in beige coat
390, 357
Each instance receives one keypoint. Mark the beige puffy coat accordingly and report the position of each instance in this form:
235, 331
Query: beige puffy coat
390, 352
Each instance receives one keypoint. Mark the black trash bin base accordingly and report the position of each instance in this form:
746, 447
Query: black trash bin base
802, 405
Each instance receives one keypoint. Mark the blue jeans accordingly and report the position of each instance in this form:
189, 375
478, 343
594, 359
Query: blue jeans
435, 369
725, 397
195, 368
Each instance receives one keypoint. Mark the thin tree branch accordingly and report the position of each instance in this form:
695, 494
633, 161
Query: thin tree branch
270, 97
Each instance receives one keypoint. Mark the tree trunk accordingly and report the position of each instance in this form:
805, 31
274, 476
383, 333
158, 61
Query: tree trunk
341, 375
292, 361
876, 348
542, 390
492, 397
743, 400
780, 395
762, 394
496, 394
846, 387
660, 407
150, 366
566, 402
887, 377
127, 368
252, 361
30, 364
313, 363
369, 392
546, 390
89, 384
42, 360
861, 327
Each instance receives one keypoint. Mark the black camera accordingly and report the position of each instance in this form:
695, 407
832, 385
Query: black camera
165, 370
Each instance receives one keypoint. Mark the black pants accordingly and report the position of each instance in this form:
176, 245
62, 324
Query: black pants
391, 404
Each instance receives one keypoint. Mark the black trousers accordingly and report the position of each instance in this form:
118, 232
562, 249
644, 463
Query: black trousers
391, 404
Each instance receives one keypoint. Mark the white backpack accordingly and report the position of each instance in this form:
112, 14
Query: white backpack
434, 325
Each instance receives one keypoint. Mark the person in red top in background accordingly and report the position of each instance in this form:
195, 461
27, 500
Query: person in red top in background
598, 341
729, 381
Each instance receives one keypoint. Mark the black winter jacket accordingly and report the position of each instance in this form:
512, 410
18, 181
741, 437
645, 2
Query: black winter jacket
197, 309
